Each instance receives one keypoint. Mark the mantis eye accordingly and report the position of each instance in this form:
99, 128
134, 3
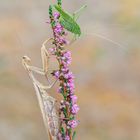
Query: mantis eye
26, 58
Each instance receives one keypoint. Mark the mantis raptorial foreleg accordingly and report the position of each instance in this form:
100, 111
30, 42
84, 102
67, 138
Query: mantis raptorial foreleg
45, 61
26, 60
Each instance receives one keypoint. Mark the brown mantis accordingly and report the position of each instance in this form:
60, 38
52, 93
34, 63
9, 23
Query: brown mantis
46, 102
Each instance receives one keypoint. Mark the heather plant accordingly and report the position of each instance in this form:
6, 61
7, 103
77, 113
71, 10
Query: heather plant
61, 122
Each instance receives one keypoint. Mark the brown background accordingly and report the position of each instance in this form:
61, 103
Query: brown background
107, 74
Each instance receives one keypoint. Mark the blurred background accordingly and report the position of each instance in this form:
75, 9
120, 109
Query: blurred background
106, 63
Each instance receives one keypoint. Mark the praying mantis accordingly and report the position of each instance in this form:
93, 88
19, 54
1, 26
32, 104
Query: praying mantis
46, 102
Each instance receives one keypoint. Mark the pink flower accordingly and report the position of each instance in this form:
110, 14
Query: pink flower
67, 138
58, 29
69, 75
67, 54
60, 136
57, 74
71, 91
71, 85
59, 89
64, 70
52, 51
75, 108
61, 40
67, 57
56, 15
73, 98
73, 123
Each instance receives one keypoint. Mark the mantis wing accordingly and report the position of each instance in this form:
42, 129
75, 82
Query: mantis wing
46, 103
51, 120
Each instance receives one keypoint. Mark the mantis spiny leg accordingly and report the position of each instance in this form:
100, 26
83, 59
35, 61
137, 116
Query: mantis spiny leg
45, 61
25, 61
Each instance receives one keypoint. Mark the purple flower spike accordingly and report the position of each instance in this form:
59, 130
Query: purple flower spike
68, 107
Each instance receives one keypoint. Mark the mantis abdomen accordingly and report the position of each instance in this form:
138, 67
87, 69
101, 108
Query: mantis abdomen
51, 115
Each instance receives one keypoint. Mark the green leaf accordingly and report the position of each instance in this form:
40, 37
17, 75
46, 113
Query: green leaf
50, 10
65, 112
59, 2
74, 134
67, 21
62, 131
71, 117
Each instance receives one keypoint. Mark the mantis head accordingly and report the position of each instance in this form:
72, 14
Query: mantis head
25, 61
